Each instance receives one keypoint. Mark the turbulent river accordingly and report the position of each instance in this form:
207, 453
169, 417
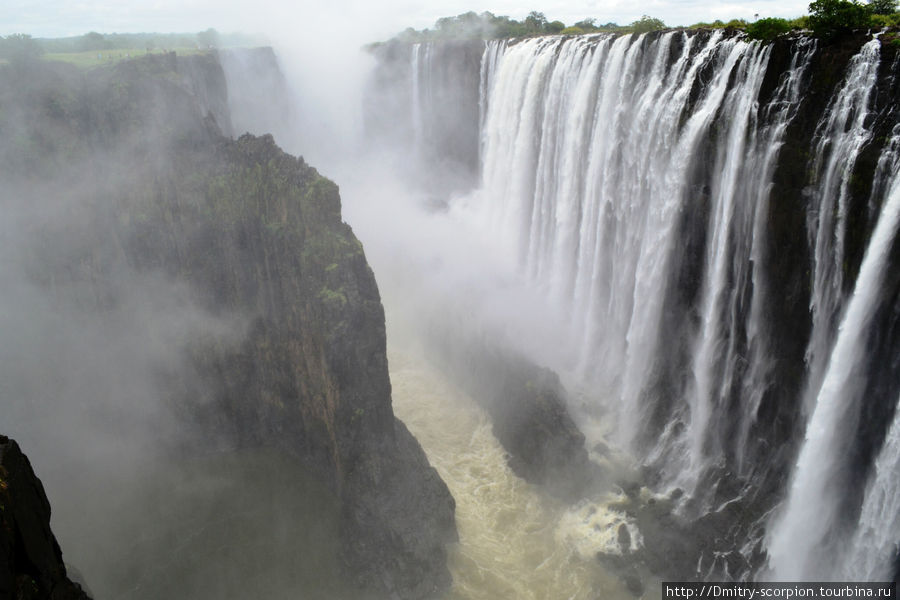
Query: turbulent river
514, 541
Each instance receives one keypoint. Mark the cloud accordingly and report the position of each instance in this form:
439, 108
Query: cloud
58, 18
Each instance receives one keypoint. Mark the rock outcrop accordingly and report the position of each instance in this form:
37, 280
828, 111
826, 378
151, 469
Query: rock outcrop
528, 411
256, 236
31, 564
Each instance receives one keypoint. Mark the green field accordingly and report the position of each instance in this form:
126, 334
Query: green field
95, 58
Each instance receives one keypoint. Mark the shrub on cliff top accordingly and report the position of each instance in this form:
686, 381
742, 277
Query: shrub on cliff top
827, 17
768, 29
647, 23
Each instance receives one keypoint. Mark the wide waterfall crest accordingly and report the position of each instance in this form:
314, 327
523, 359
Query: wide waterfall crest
706, 216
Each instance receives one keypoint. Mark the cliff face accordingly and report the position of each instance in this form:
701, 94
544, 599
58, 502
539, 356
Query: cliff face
256, 237
31, 565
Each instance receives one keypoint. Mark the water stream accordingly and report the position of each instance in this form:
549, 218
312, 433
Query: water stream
514, 541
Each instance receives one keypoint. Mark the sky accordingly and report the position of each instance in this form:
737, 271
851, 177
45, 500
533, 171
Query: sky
379, 20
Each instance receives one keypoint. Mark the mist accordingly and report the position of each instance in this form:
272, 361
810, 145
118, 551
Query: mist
418, 213
101, 370
123, 366
100, 381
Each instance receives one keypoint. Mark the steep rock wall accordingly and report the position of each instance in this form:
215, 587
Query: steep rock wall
31, 564
257, 237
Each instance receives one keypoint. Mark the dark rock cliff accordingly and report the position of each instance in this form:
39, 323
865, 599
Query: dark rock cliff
31, 564
257, 236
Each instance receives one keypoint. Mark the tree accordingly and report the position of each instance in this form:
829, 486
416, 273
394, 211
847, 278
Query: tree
208, 38
647, 23
768, 29
883, 7
827, 17
93, 41
20, 49
536, 21
555, 27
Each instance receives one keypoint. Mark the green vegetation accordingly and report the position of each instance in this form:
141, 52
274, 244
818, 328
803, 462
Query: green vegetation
19, 49
334, 297
768, 29
489, 26
93, 58
148, 41
825, 18
93, 49
647, 23
883, 7
719, 24
886, 20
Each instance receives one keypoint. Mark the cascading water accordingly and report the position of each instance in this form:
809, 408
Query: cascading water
801, 546
649, 186
587, 176
422, 100
873, 549
841, 136
762, 153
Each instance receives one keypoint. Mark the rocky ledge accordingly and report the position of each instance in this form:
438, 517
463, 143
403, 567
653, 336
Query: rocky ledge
31, 564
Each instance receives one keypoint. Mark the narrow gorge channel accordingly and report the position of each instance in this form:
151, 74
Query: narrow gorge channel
515, 542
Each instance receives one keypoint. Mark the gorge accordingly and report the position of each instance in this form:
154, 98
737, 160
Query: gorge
195, 349
641, 310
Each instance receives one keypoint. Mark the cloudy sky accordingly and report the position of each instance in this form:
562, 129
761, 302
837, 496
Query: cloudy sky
57, 18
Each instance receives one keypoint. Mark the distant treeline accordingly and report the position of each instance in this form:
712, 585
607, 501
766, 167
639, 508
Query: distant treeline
18, 44
488, 26
825, 18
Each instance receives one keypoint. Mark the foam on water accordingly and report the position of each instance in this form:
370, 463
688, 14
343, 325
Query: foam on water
514, 543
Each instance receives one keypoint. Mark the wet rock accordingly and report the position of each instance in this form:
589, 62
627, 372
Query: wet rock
528, 410
31, 565
624, 538
633, 583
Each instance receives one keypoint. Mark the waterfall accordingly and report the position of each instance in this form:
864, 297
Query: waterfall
706, 215
593, 150
733, 195
800, 548
874, 548
841, 135
801, 545
421, 101
775, 120
874, 545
